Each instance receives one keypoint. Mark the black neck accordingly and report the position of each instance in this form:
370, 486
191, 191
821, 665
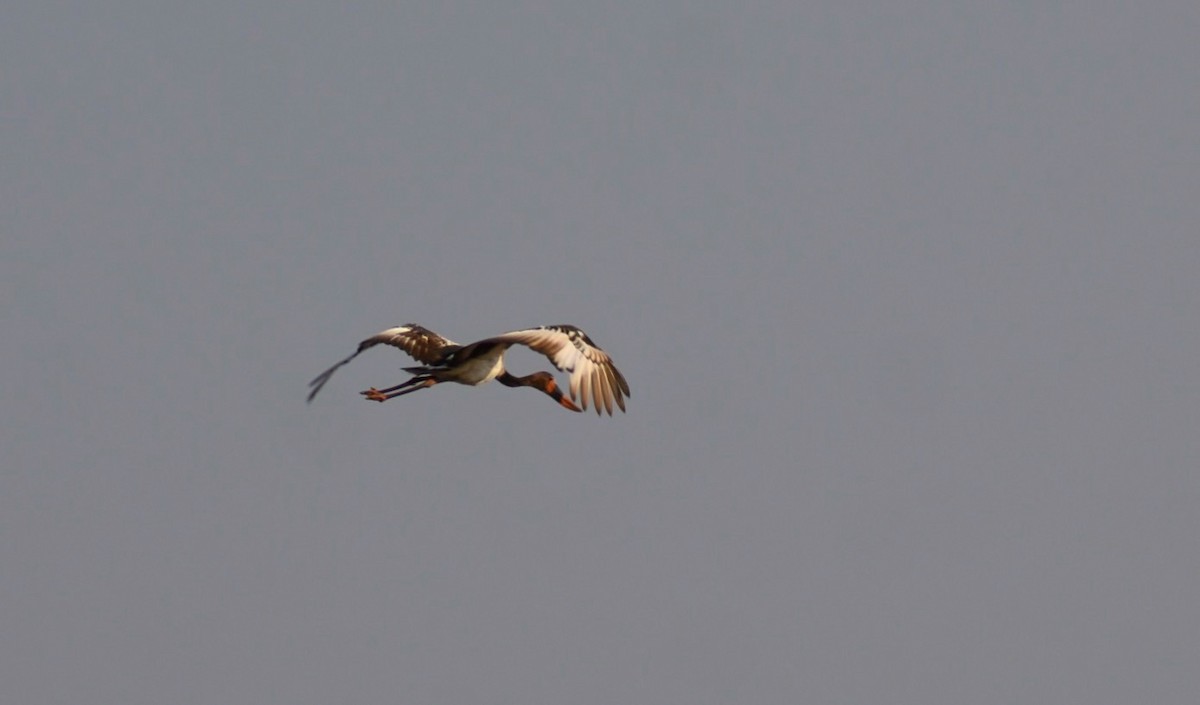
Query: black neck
509, 381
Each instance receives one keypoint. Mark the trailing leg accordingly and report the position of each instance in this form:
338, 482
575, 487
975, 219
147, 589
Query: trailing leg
412, 385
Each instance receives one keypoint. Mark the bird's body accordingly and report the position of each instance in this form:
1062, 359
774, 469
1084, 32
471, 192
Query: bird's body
570, 349
480, 368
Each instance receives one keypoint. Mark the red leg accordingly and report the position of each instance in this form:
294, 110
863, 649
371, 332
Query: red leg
412, 385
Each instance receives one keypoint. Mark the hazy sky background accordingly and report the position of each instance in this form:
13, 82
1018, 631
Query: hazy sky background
908, 296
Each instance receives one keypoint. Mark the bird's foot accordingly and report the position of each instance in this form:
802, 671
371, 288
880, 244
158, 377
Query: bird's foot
374, 395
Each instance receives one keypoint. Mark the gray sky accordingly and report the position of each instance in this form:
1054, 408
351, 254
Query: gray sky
907, 299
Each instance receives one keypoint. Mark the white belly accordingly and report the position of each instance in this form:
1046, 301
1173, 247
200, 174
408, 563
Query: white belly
481, 369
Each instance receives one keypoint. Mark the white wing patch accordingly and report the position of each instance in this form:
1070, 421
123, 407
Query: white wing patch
594, 378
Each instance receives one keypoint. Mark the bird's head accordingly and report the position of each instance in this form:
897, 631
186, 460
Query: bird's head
545, 382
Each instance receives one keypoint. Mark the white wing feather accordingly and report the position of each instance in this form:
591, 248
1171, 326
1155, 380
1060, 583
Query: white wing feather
594, 377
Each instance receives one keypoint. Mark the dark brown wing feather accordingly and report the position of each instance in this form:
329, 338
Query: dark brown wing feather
422, 344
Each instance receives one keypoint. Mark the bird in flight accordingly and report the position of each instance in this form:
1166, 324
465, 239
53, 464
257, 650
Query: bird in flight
593, 375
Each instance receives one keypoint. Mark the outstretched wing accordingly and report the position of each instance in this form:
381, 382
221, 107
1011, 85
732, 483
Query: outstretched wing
422, 344
593, 374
